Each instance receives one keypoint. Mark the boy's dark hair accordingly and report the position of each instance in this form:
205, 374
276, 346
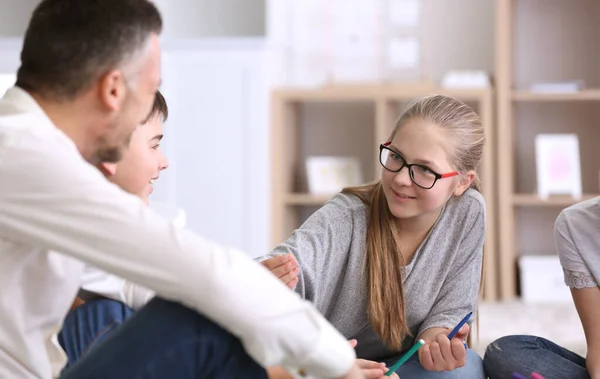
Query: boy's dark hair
159, 108
70, 43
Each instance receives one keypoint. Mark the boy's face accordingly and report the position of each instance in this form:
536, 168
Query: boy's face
142, 162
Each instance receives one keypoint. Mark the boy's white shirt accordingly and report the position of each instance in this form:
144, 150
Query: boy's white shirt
99, 282
113, 287
52, 200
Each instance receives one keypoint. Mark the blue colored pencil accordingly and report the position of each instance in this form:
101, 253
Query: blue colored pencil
460, 324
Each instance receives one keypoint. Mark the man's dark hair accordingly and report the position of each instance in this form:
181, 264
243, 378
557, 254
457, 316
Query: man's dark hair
159, 108
71, 43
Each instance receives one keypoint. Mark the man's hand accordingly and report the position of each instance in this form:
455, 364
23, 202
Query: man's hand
362, 369
441, 354
374, 370
371, 369
285, 268
354, 373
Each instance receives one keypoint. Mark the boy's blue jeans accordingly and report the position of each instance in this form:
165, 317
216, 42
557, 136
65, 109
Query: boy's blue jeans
89, 324
104, 339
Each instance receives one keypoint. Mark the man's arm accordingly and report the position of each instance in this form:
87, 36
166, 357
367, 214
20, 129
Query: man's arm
95, 282
51, 199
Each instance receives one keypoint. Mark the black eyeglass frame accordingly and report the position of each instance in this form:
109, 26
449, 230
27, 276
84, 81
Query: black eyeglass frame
437, 176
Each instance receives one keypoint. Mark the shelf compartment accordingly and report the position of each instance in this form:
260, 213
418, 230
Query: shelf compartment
533, 200
585, 95
306, 199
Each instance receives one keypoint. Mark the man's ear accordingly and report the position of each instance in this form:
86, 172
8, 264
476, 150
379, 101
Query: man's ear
108, 169
466, 180
112, 89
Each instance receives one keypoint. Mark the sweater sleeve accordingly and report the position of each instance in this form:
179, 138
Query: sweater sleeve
321, 247
460, 291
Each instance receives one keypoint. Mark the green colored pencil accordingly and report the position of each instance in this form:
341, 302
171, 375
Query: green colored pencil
405, 357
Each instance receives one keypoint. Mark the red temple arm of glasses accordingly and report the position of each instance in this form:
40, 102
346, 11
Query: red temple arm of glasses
449, 174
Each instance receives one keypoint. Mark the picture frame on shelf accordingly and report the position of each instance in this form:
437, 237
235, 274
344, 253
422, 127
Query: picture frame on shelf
558, 165
330, 174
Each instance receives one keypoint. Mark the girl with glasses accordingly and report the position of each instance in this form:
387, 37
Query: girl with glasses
398, 260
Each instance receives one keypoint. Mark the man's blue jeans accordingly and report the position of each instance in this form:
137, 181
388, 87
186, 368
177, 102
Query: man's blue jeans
526, 354
162, 340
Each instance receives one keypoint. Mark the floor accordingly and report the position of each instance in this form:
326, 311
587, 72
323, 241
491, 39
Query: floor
557, 322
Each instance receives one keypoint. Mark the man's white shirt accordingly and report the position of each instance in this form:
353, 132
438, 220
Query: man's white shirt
97, 282
52, 200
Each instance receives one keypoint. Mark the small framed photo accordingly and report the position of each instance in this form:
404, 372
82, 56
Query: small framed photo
329, 174
558, 165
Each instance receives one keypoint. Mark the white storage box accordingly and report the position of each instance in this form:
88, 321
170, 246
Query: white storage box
542, 280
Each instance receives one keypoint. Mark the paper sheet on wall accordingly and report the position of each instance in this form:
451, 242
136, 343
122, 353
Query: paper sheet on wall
403, 53
355, 27
405, 13
308, 26
355, 44
307, 62
558, 165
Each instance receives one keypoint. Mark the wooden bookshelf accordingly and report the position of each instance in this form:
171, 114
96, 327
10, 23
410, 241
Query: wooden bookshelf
353, 120
541, 41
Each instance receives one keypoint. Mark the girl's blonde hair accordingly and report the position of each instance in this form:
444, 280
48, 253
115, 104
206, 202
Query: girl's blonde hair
384, 261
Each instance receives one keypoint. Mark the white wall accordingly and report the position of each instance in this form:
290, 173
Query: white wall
9, 55
14, 16
216, 139
458, 34
183, 18
218, 94
212, 18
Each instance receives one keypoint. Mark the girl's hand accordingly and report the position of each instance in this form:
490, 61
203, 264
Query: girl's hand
442, 354
285, 268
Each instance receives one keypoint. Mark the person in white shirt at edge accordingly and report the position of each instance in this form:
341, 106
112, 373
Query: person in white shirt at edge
88, 76
106, 301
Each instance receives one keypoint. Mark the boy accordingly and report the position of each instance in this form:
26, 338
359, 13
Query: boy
112, 300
